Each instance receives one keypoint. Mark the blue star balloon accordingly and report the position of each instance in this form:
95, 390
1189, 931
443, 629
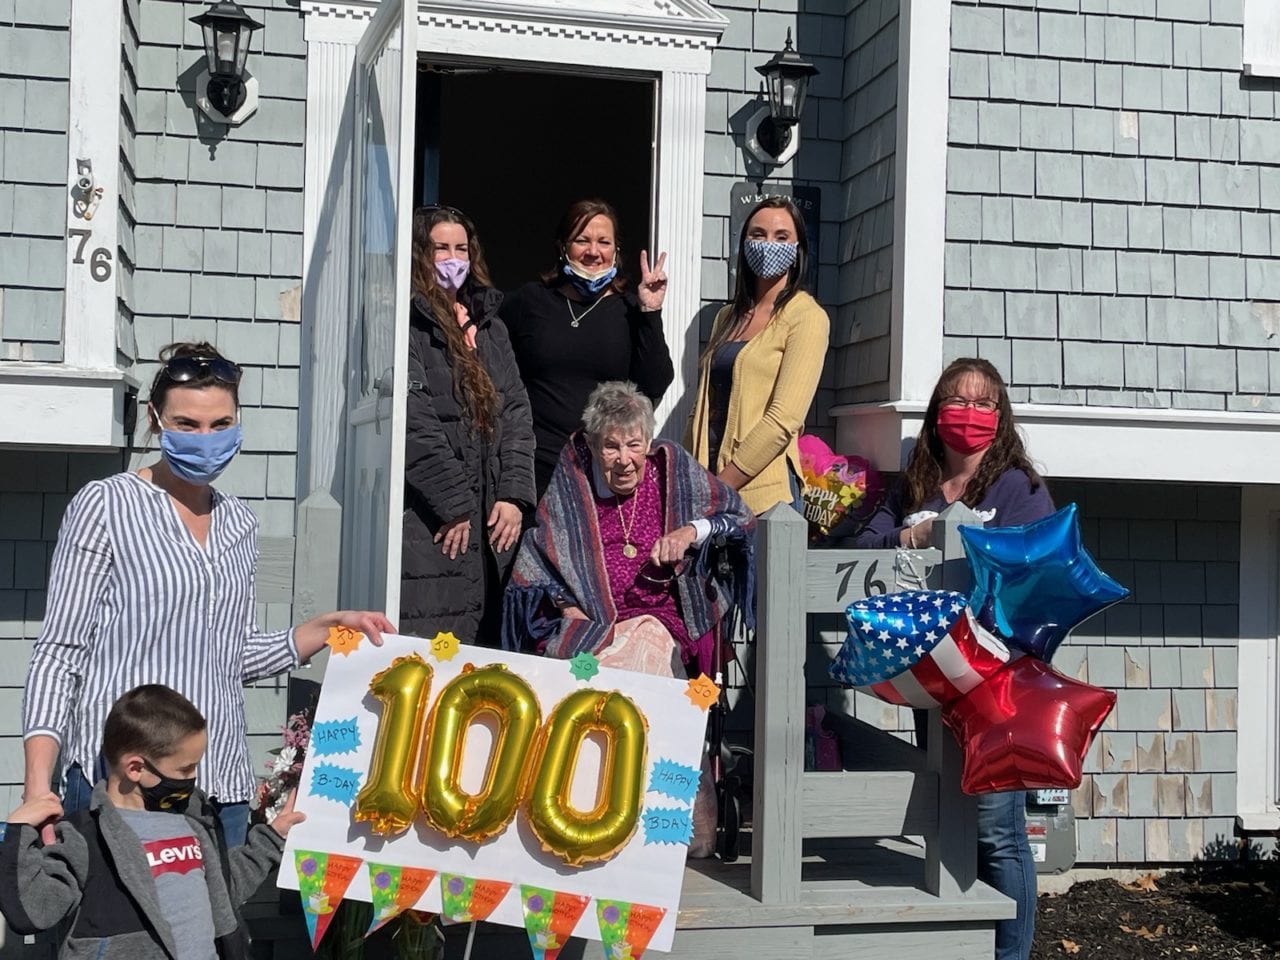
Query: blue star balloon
1035, 583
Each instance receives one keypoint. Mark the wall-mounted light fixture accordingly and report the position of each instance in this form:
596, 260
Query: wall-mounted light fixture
773, 134
225, 91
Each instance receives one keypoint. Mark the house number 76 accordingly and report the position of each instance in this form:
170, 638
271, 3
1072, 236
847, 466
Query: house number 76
99, 260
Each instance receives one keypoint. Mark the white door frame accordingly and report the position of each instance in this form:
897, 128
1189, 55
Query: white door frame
669, 40
1258, 704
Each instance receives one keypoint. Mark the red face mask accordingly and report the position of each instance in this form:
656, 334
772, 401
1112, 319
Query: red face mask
967, 429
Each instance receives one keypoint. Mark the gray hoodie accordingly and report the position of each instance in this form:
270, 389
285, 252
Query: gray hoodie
97, 875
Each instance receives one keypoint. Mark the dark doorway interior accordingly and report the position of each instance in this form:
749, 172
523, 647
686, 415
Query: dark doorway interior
512, 149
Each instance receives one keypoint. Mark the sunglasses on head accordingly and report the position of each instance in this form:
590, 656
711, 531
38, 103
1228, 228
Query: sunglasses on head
435, 207
186, 369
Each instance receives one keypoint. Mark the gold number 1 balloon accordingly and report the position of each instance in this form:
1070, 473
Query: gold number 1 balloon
389, 798
585, 836
495, 690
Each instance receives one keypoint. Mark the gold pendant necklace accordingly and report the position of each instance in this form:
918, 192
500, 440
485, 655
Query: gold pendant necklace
628, 548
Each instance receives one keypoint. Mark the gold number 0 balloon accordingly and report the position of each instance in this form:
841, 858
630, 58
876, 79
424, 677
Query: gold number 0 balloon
577, 836
492, 689
389, 800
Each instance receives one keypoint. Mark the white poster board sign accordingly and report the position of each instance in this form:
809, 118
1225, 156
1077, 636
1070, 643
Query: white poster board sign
647, 870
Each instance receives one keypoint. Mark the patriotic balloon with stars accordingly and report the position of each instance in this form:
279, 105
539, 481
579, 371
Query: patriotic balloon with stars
1020, 724
919, 648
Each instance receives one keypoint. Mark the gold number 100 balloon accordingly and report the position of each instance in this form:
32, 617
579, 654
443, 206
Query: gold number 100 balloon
523, 761
496, 691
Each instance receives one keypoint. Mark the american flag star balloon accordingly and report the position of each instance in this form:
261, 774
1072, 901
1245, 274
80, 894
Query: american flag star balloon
918, 648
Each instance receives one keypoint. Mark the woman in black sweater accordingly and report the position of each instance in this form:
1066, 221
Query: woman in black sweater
578, 326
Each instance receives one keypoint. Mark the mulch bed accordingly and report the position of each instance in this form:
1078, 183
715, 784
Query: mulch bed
1218, 912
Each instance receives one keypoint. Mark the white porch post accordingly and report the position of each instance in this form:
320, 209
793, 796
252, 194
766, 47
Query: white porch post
89, 324
924, 65
681, 140
326, 237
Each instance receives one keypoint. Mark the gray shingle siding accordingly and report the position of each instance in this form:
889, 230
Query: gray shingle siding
862, 308
35, 64
126, 340
1144, 177
218, 241
1159, 780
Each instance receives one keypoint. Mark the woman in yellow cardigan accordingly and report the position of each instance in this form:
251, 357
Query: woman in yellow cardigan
761, 369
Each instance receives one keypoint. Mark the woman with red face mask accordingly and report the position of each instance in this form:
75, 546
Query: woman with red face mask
969, 450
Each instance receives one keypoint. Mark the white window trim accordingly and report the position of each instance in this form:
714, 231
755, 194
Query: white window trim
1261, 38
1192, 446
1258, 704
80, 401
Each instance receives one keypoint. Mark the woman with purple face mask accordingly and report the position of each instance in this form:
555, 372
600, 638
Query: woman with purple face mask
469, 439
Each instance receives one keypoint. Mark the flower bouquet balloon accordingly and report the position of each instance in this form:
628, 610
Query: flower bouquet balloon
835, 487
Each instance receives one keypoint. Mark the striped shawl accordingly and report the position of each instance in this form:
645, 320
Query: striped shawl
561, 560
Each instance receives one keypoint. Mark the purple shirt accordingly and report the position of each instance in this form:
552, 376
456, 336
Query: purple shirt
1009, 501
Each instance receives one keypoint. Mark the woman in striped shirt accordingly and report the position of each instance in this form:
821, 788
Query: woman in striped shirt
153, 582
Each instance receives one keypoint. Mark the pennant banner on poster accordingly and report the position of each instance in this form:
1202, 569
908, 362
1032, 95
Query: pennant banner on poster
323, 879
395, 890
626, 928
549, 919
466, 899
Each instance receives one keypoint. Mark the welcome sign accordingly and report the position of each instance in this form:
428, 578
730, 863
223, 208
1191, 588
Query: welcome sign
546, 794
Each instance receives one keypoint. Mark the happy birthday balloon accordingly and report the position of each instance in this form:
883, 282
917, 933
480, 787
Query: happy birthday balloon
1026, 728
1033, 584
834, 486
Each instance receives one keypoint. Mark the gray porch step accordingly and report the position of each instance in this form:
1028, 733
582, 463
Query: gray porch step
842, 882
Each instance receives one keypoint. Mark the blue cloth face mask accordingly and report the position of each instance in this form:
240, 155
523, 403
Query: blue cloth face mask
199, 457
589, 284
769, 259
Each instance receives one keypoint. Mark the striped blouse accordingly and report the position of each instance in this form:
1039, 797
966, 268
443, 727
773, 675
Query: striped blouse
133, 598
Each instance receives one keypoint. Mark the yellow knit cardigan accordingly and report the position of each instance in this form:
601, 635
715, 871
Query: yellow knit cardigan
774, 379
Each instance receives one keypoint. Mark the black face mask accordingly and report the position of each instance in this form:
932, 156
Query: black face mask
169, 795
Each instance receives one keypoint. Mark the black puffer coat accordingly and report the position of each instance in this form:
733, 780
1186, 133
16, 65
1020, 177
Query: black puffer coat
451, 470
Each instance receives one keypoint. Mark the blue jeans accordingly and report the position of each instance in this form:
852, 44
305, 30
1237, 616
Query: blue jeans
234, 816
1005, 862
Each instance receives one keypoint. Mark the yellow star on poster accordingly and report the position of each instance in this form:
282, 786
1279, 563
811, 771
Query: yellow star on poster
702, 693
344, 640
444, 646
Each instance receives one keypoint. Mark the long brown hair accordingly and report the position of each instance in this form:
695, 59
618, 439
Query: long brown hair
923, 476
744, 290
472, 385
574, 221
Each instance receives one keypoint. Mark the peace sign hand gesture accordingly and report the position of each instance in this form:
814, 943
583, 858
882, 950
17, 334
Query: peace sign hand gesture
653, 283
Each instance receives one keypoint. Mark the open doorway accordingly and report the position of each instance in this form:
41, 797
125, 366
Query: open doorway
513, 148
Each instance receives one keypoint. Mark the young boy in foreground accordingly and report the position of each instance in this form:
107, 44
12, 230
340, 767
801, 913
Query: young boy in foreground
144, 872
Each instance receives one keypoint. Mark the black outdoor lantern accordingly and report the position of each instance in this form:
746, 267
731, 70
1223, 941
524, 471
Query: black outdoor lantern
786, 78
227, 29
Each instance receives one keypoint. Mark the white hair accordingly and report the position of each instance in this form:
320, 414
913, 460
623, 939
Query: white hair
617, 405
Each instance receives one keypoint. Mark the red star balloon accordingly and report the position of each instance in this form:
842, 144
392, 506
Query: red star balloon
1026, 728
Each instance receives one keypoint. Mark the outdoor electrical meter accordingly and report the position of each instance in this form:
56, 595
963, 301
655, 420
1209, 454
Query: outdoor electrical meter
1051, 830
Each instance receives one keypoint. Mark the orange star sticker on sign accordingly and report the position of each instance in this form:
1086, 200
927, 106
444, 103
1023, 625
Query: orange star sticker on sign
702, 693
444, 646
344, 640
